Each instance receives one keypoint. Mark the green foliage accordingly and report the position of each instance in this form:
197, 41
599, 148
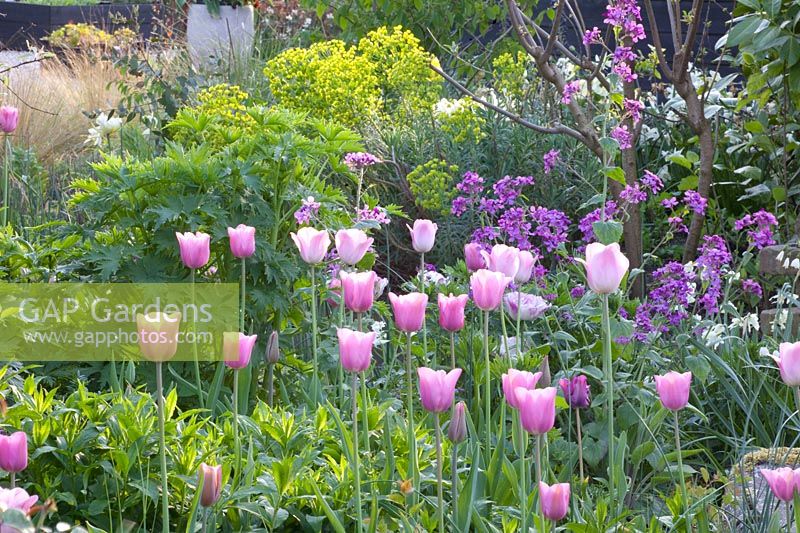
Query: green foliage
433, 185
84, 36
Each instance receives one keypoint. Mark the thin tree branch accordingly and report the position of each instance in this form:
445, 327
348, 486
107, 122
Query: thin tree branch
551, 39
662, 60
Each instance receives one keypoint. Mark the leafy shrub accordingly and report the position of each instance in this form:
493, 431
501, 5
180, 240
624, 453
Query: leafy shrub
84, 37
432, 184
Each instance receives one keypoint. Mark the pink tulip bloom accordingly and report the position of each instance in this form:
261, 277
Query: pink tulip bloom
237, 349
576, 391
18, 499
503, 259
14, 452
525, 306
195, 248
488, 288
554, 500
782, 481
451, 311
457, 431
473, 256
423, 235
211, 477
355, 349
409, 310
605, 267
158, 335
243, 240
9, 118
788, 361
352, 245
525, 270
359, 290
514, 379
437, 388
673, 389
537, 409
313, 244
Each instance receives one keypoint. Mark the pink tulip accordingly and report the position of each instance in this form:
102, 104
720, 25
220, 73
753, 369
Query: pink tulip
525, 270
673, 389
451, 311
525, 306
487, 288
158, 335
788, 361
243, 240
359, 290
457, 431
352, 245
473, 257
355, 349
537, 409
423, 235
514, 379
334, 288
437, 388
195, 248
409, 310
237, 349
576, 391
211, 477
14, 452
503, 259
782, 481
18, 499
9, 118
554, 500
605, 267
313, 244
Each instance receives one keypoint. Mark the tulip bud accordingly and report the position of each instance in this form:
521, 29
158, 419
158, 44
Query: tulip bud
457, 431
273, 348
211, 479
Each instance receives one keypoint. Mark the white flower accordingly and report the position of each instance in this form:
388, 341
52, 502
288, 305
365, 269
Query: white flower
447, 107
746, 323
103, 128
431, 276
795, 264
779, 257
716, 335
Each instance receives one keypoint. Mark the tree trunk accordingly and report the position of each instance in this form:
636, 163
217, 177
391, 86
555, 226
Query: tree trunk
632, 229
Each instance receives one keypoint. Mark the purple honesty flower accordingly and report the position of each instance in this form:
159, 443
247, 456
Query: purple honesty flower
677, 225
760, 224
713, 258
585, 224
622, 136
750, 286
376, 214
459, 206
360, 160
551, 159
508, 189
307, 211
669, 203
652, 182
515, 227
624, 71
633, 194
551, 226
624, 54
695, 201
471, 183
570, 90
591, 36
635, 30
634, 109
667, 302
577, 292
484, 235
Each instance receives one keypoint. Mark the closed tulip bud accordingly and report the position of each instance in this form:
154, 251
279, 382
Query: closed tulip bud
352, 245
782, 481
312, 244
451, 311
537, 409
513, 379
242, 240
14, 452
576, 391
673, 389
457, 431
605, 267
423, 235
355, 349
524, 306
195, 248
158, 335
273, 352
473, 256
9, 118
437, 388
788, 361
525, 270
211, 479
488, 288
409, 310
237, 349
503, 259
554, 500
359, 290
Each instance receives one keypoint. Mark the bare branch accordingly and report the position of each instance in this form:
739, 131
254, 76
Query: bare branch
551, 39
662, 61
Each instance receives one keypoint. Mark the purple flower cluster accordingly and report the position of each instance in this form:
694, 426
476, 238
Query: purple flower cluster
509, 189
591, 36
307, 211
376, 214
622, 136
695, 201
669, 203
652, 182
551, 227
470, 187
667, 303
551, 159
577, 292
585, 224
714, 257
759, 224
627, 16
633, 194
514, 225
750, 286
360, 160
484, 235
633, 108
677, 225
570, 90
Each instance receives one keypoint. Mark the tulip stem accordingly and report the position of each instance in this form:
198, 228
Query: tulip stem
270, 383
539, 477
315, 360
412, 435
13, 481
487, 402
238, 452
424, 321
6, 171
505, 333
608, 370
454, 478
452, 350
439, 494
788, 519
242, 297
364, 396
197, 382
684, 494
162, 449
356, 458
340, 371
519, 321
523, 475
580, 443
